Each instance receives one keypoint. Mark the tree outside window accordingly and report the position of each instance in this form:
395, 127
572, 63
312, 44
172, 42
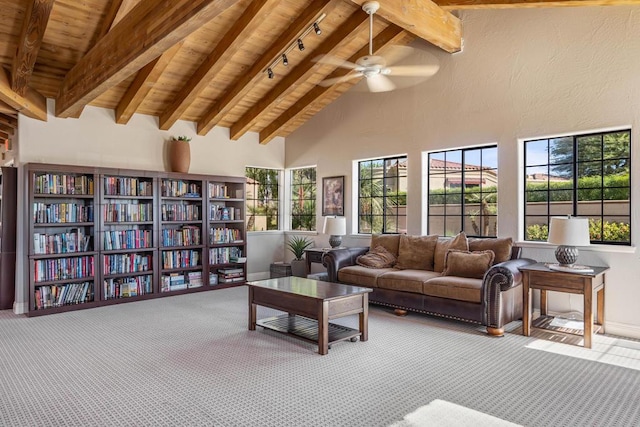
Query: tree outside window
581, 175
263, 190
382, 195
303, 199
463, 192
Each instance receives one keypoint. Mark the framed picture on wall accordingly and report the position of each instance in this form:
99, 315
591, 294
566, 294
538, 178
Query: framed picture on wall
333, 195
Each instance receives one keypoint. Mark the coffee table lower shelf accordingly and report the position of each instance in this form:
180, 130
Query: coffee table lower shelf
307, 329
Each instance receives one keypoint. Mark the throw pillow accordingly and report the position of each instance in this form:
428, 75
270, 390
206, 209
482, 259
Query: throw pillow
390, 242
378, 257
416, 252
501, 247
458, 242
467, 264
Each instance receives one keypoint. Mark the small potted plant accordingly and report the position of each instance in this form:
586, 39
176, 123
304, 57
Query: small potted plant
297, 246
180, 154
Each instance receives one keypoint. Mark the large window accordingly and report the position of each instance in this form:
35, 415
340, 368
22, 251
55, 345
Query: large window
303, 199
263, 199
581, 175
382, 196
463, 191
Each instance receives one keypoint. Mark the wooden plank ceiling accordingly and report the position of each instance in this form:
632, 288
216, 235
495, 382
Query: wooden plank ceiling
205, 60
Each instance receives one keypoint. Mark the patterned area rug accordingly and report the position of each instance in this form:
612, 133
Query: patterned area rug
441, 413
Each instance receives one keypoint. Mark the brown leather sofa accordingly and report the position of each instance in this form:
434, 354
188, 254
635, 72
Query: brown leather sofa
474, 280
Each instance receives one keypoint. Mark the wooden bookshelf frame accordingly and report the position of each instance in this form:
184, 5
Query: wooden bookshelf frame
235, 185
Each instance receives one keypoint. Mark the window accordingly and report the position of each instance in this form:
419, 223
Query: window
303, 199
463, 192
582, 175
263, 202
382, 196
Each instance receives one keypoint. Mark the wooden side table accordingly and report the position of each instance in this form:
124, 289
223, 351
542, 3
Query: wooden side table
539, 276
314, 255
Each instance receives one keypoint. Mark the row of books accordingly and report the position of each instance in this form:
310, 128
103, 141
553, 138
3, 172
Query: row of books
178, 281
180, 188
127, 263
49, 183
230, 275
224, 213
55, 213
224, 235
224, 255
63, 268
185, 236
127, 287
127, 239
180, 212
121, 186
59, 295
60, 243
218, 191
179, 259
127, 212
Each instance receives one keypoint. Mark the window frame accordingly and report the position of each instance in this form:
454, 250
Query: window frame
289, 184
279, 200
575, 189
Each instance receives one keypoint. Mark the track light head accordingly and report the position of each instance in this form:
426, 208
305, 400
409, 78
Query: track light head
300, 45
285, 61
270, 73
316, 28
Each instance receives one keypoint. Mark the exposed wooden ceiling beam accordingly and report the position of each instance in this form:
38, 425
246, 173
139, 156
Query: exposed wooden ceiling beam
391, 35
10, 130
8, 120
342, 35
512, 4
33, 27
4, 135
246, 82
32, 104
142, 35
6, 108
425, 19
142, 85
253, 16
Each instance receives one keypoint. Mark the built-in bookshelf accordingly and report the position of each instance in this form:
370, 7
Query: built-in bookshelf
8, 205
101, 236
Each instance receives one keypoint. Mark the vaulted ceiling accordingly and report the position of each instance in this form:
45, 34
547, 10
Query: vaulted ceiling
205, 61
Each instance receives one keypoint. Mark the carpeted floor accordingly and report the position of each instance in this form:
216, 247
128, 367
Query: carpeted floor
190, 361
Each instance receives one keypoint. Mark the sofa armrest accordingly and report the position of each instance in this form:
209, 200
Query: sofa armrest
501, 278
335, 259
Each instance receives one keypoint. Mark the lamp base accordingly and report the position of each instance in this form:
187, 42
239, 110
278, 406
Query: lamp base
335, 241
566, 255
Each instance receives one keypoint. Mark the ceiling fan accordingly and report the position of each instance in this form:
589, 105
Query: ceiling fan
377, 69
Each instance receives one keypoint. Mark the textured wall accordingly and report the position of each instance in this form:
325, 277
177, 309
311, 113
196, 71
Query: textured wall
522, 74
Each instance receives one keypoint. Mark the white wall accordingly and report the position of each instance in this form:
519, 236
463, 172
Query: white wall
96, 140
522, 74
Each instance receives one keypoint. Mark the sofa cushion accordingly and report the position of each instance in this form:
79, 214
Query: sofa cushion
456, 288
390, 242
467, 264
443, 245
377, 257
361, 276
501, 247
416, 252
405, 280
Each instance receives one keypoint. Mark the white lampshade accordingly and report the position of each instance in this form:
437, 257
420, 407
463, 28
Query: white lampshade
335, 225
569, 231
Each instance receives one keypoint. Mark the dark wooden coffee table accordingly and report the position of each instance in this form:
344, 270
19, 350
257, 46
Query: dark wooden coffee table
309, 305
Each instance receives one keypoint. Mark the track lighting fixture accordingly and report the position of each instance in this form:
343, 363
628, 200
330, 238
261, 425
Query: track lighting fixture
297, 42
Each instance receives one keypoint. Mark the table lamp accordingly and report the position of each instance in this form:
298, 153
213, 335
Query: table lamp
568, 232
336, 227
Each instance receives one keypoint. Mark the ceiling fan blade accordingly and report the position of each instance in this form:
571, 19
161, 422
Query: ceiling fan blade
396, 53
336, 80
333, 60
412, 70
380, 83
